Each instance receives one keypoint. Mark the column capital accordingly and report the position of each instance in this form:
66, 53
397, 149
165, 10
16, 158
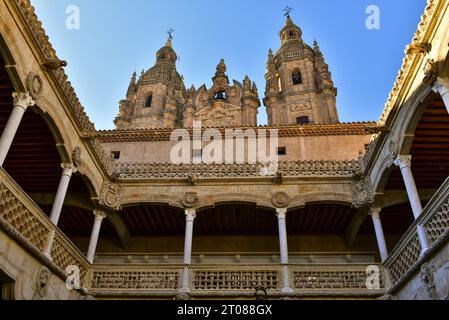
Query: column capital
281, 213
68, 169
190, 214
441, 85
403, 161
375, 212
99, 214
22, 100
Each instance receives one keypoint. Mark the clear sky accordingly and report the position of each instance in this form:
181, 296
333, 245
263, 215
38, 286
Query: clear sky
117, 37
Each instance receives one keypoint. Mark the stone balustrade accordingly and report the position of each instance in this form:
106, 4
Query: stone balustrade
27, 221
238, 279
407, 254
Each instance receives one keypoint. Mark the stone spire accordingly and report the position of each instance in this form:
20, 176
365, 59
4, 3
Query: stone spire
220, 77
132, 87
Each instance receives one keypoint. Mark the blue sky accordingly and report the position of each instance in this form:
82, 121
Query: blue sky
117, 37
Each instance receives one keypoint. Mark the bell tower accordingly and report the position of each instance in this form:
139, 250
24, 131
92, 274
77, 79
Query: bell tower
299, 86
156, 99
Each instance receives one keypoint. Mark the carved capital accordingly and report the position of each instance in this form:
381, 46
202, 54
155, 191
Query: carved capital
441, 86
403, 161
362, 192
375, 213
111, 196
281, 213
190, 215
22, 100
189, 200
280, 199
99, 214
68, 169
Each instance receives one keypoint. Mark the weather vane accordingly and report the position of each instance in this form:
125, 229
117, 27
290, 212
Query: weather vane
170, 33
287, 11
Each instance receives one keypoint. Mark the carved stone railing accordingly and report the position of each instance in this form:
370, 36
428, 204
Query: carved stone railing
236, 279
131, 171
332, 277
435, 216
232, 279
65, 254
20, 212
138, 278
435, 219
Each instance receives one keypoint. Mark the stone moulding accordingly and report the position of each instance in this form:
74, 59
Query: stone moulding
318, 168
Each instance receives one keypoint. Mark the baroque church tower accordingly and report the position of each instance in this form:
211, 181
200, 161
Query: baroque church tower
156, 99
299, 86
159, 99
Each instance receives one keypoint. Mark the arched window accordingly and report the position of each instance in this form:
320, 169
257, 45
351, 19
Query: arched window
149, 101
220, 95
297, 78
302, 120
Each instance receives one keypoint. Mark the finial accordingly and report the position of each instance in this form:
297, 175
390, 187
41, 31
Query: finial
287, 11
221, 68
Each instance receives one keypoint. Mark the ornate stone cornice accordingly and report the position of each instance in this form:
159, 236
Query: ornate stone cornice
318, 168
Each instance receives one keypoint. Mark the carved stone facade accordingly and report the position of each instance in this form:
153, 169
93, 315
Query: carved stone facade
299, 90
159, 99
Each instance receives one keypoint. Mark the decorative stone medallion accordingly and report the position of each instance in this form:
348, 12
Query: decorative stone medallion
190, 199
280, 200
34, 85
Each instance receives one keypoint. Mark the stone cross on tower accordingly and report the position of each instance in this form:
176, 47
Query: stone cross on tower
170, 33
287, 11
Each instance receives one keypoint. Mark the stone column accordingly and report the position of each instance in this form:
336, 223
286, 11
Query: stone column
99, 216
442, 87
375, 215
190, 217
281, 214
404, 163
21, 101
68, 170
